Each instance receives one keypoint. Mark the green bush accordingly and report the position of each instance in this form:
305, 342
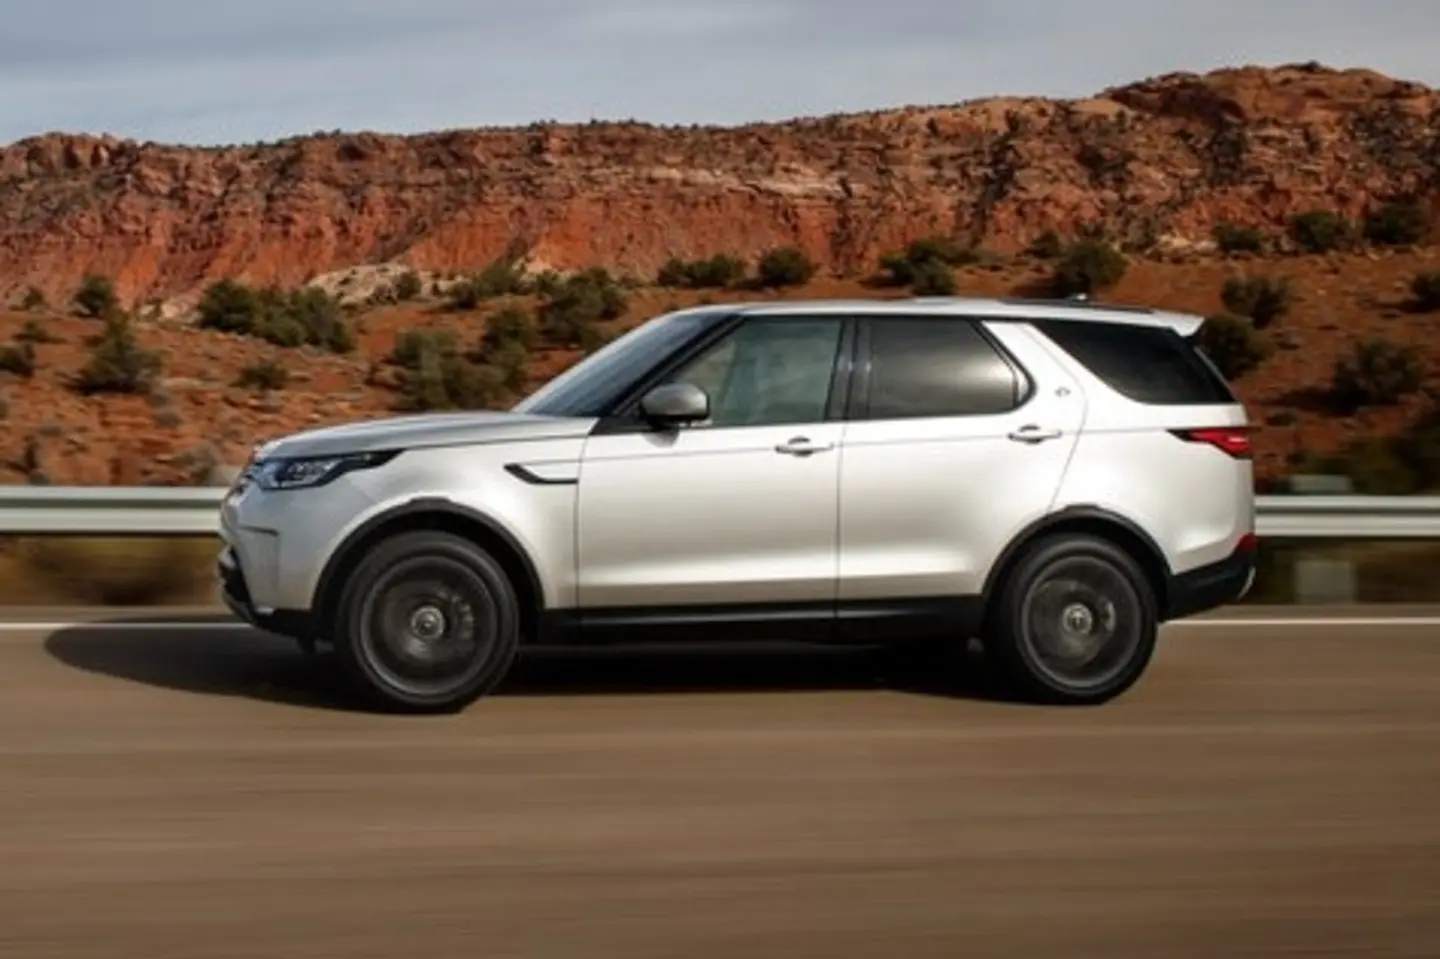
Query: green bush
96, 297
264, 376
1262, 299
1088, 266
1233, 238
408, 286
117, 363
1231, 343
785, 266
718, 272
571, 314
511, 326
1048, 246
305, 317
933, 278
32, 332
33, 300
1377, 373
924, 256
1322, 231
1426, 290
436, 375
18, 359
501, 278
1396, 224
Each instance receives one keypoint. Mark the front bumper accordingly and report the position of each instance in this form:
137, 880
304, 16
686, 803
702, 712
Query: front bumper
235, 593
1215, 585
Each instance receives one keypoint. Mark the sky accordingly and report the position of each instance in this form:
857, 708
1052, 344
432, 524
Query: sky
211, 72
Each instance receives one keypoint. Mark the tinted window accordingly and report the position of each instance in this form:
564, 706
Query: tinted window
1152, 365
936, 367
768, 371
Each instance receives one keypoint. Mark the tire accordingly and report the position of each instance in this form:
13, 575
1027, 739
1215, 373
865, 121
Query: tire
1063, 591
413, 599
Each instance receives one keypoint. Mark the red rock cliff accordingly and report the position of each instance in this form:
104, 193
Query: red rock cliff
1165, 157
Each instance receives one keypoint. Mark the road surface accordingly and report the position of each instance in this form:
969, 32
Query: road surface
1270, 789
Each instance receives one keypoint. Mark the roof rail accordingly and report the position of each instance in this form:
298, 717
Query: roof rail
1077, 301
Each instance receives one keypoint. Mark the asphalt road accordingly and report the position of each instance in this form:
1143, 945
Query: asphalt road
1269, 789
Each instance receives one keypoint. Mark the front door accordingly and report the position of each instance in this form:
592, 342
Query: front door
732, 517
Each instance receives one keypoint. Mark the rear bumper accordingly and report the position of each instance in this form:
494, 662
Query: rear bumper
235, 592
1214, 585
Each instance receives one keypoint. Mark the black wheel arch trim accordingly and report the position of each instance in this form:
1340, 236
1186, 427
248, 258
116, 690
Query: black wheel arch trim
1071, 514
424, 505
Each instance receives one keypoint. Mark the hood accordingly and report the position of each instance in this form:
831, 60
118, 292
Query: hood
430, 429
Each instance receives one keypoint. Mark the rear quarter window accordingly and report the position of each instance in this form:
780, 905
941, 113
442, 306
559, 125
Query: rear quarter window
1151, 365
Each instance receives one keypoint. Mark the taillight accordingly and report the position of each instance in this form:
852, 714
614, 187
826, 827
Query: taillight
1231, 440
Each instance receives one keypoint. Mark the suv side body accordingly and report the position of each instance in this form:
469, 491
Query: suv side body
854, 471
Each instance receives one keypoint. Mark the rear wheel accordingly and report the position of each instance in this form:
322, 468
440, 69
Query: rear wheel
428, 622
1075, 621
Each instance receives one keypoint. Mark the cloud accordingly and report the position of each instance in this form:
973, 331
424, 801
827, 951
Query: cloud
200, 72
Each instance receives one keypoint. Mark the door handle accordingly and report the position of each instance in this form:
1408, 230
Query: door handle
801, 446
1033, 434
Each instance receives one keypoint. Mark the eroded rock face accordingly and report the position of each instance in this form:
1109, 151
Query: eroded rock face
1165, 159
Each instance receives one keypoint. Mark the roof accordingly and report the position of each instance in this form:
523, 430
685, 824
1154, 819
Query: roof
986, 308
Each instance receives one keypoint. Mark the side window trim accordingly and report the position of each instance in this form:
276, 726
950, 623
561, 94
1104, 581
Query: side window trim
624, 419
858, 409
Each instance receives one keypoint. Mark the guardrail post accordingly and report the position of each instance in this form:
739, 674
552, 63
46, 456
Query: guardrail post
1319, 580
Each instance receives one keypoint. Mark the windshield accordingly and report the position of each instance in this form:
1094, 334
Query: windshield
592, 385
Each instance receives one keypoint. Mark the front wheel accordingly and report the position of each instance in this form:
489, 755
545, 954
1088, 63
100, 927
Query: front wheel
428, 622
1075, 621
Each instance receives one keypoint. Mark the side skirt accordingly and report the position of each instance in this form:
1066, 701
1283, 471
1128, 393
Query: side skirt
864, 622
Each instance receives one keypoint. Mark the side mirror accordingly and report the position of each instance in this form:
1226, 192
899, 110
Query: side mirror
675, 404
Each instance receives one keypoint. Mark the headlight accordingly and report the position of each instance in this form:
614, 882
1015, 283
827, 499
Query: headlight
311, 471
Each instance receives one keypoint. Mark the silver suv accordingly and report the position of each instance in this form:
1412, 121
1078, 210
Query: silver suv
1053, 478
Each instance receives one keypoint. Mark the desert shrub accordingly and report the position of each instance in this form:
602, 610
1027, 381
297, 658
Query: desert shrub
1088, 266
1231, 343
571, 314
1321, 231
1259, 297
117, 362
18, 359
933, 278
1377, 373
1234, 238
305, 317
31, 331
717, 272
1048, 246
1426, 290
785, 266
1396, 224
96, 297
501, 277
264, 376
435, 374
408, 286
33, 300
904, 268
511, 326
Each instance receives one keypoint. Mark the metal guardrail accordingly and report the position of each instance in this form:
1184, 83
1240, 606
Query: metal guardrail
192, 511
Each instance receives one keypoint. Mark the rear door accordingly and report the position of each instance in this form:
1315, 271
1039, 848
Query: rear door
958, 437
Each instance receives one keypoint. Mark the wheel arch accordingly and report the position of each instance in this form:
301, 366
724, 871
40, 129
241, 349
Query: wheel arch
1094, 521
433, 513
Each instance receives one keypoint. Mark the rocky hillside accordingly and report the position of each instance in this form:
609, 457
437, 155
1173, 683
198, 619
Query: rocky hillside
1155, 165
1303, 201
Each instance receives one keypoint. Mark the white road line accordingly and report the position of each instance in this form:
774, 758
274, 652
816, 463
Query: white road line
1297, 622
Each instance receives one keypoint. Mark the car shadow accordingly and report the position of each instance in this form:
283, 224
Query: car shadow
216, 657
